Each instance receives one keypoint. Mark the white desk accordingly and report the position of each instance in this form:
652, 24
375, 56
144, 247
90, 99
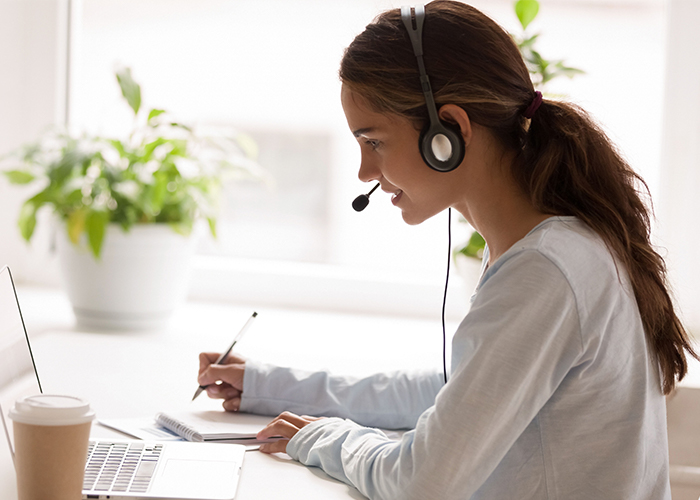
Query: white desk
138, 374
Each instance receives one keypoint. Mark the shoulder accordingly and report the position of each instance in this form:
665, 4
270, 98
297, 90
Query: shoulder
562, 255
564, 248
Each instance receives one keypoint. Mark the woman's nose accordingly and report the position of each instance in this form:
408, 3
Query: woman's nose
368, 171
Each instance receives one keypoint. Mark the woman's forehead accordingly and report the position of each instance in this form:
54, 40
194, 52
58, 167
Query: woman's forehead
361, 117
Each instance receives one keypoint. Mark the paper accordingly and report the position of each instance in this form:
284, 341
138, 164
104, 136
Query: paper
208, 425
141, 428
214, 425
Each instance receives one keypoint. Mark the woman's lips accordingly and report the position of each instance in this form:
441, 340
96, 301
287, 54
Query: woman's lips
397, 196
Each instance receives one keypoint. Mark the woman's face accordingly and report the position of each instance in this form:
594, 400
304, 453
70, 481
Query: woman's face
390, 155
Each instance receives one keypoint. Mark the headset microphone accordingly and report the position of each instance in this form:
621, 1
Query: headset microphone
361, 202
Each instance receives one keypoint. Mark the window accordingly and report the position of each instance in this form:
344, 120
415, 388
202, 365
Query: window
269, 67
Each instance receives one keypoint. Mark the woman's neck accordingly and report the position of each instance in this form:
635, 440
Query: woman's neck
496, 206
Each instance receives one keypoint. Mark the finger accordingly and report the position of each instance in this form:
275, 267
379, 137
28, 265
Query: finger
218, 387
231, 374
310, 418
222, 391
278, 427
293, 419
232, 404
276, 447
207, 358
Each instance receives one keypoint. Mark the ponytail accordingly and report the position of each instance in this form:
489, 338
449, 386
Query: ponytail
568, 166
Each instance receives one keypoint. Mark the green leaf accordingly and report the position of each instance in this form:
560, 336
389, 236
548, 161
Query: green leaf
183, 228
27, 220
158, 192
73, 198
154, 113
526, 10
475, 247
96, 225
212, 226
62, 169
537, 59
179, 147
528, 43
19, 176
76, 224
150, 147
561, 70
130, 89
181, 125
118, 146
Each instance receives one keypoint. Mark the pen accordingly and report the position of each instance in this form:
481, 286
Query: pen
223, 355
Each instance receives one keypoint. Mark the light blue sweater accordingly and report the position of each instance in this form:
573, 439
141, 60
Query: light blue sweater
553, 393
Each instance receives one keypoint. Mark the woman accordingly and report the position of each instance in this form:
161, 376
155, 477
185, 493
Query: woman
559, 370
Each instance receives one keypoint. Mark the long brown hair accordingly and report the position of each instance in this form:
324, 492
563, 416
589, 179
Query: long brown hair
565, 163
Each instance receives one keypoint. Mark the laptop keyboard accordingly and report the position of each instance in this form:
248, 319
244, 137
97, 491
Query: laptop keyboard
121, 467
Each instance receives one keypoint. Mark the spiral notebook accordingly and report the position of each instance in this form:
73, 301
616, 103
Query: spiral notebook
214, 426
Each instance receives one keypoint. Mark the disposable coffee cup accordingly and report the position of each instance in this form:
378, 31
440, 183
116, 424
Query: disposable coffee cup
51, 441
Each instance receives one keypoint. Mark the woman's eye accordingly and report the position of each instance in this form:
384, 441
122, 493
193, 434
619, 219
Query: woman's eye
372, 144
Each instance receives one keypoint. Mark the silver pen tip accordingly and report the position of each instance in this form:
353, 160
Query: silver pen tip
197, 393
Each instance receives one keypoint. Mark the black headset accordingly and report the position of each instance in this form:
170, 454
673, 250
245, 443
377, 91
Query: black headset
441, 144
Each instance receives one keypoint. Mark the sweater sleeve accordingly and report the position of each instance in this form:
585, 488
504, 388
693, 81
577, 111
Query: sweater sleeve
513, 349
386, 400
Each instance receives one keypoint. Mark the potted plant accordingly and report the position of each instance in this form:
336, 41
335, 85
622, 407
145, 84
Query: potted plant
128, 208
542, 71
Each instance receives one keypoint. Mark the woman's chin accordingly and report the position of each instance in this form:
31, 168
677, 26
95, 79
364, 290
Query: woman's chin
412, 219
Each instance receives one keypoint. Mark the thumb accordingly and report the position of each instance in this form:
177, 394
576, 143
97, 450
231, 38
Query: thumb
230, 374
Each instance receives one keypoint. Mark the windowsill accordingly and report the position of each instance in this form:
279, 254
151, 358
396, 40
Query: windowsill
326, 287
301, 337
48, 309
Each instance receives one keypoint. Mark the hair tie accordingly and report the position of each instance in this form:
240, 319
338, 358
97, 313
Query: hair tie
534, 105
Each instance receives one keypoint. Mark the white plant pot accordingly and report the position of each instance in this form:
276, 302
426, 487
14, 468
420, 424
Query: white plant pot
141, 277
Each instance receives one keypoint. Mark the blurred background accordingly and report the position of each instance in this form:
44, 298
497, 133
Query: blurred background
269, 68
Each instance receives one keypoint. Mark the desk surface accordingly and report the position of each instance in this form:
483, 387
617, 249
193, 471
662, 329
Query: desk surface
135, 374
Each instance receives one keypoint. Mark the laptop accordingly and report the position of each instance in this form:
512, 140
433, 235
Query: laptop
117, 469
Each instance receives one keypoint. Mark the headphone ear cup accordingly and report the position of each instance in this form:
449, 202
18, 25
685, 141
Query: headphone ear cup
442, 146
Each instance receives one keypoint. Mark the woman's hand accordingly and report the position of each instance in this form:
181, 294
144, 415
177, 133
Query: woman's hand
224, 381
286, 425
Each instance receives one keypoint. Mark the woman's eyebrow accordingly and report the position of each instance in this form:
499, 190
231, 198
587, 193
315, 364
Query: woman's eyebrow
361, 131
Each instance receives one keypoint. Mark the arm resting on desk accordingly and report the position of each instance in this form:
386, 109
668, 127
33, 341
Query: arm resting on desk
386, 400
537, 406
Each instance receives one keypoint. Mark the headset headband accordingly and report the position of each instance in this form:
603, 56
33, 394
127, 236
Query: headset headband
416, 35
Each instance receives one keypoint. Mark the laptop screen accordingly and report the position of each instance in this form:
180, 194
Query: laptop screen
18, 376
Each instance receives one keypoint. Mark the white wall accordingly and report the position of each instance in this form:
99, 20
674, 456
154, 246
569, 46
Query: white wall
679, 202
32, 97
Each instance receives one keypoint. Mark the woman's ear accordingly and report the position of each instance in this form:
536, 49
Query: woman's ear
454, 114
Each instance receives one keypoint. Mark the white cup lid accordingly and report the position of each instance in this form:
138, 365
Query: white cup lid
51, 409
